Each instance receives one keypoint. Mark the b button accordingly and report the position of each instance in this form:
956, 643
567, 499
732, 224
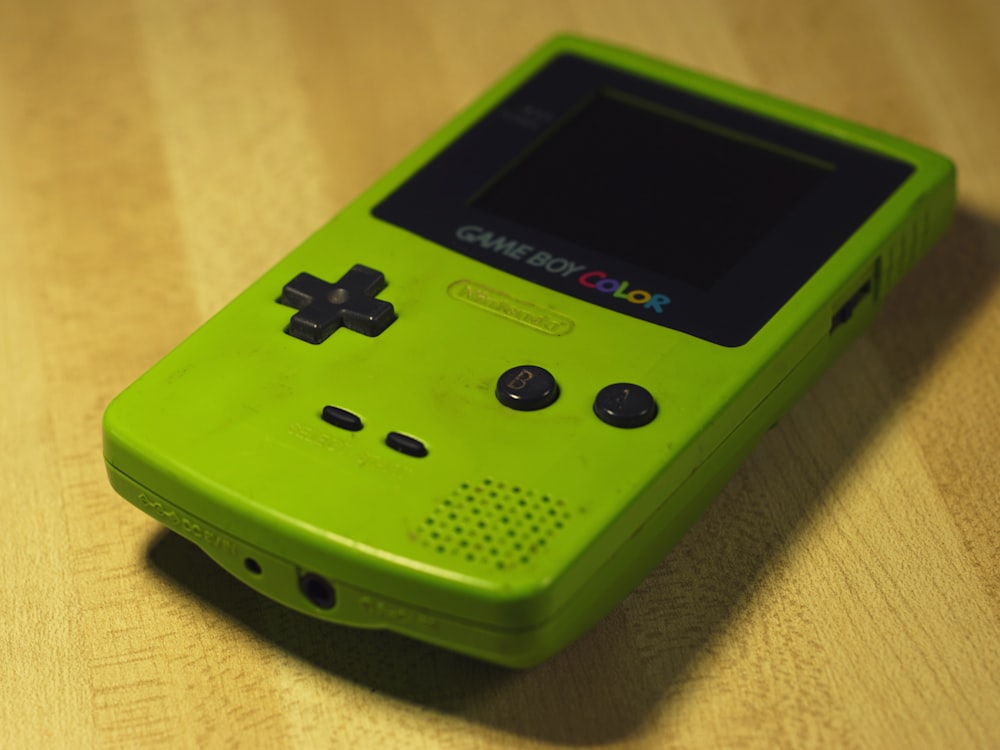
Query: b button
527, 388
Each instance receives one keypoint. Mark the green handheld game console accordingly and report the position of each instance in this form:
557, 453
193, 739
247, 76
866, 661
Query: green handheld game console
484, 400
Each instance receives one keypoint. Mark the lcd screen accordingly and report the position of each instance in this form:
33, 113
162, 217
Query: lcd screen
668, 192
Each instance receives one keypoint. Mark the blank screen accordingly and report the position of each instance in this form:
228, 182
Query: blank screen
670, 194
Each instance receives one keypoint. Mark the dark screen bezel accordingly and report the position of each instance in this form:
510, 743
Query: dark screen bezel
436, 201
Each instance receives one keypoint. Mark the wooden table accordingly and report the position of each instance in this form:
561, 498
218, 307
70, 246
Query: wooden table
156, 157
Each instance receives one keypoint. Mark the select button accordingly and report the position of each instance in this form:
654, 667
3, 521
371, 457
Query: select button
342, 418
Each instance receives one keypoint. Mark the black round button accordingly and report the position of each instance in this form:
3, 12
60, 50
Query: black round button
527, 388
625, 405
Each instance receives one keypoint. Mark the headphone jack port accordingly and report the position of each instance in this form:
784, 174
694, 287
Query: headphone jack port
318, 590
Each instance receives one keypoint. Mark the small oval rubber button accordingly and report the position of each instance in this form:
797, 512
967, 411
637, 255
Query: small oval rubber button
406, 444
342, 418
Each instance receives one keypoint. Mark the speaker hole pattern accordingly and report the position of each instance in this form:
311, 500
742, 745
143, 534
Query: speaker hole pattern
495, 524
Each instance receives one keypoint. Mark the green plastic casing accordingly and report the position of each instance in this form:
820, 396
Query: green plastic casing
519, 530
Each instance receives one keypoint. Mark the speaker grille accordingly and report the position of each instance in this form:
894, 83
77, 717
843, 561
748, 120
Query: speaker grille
493, 523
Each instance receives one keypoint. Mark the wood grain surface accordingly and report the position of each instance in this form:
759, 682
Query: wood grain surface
156, 157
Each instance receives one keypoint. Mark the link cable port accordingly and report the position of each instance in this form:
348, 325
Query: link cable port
847, 309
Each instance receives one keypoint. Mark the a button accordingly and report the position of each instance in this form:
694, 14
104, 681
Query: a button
527, 388
324, 307
342, 418
406, 444
625, 405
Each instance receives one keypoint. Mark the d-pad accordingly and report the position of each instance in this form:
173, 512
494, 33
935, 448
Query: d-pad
324, 307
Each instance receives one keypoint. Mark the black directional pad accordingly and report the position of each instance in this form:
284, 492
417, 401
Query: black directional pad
324, 307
